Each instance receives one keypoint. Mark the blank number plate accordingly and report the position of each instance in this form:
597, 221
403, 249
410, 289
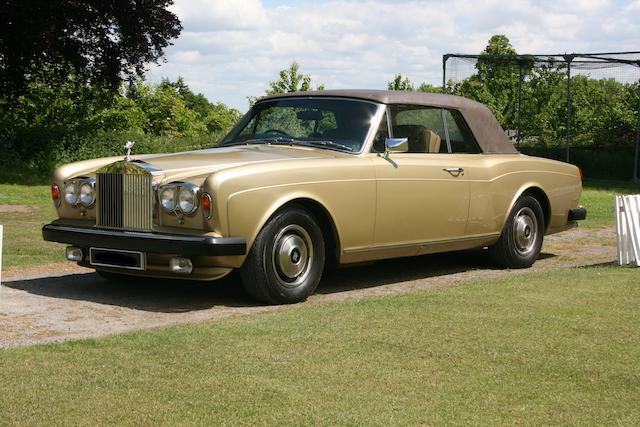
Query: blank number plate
131, 260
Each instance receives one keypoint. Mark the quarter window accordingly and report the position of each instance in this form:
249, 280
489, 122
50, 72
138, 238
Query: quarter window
460, 136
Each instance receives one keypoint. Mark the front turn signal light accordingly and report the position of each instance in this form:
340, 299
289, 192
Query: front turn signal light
206, 205
55, 195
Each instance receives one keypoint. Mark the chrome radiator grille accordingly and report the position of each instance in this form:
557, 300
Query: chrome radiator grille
124, 201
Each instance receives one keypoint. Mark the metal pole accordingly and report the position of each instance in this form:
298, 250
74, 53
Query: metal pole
568, 58
444, 72
519, 103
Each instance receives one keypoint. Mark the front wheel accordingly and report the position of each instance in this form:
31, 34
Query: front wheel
286, 260
521, 239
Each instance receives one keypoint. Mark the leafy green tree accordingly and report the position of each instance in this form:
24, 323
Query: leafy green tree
429, 88
496, 80
49, 125
196, 102
291, 81
93, 41
400, 82
221, 118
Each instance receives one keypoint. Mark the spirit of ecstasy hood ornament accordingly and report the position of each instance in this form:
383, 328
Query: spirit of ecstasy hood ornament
128, 146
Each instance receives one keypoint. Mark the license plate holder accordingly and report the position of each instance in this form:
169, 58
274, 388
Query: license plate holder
117, 258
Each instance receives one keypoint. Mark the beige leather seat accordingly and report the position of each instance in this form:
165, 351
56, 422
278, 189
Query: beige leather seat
419, 138
431, 141
427, 142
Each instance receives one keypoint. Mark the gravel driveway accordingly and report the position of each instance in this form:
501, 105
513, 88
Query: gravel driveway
61, 302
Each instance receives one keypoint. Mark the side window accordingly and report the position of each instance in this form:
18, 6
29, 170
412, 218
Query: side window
460, 136
381, 135
422, 126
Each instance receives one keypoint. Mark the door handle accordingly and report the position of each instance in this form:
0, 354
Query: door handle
454, 171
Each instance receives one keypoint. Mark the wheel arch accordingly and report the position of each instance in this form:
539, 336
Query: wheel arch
326, 223
542, 198
537, 193
319, 211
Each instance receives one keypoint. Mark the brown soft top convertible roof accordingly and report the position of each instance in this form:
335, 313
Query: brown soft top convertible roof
488, 132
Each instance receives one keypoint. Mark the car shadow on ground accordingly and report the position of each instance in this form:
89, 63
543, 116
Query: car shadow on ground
176, 296
399, 270
156, 295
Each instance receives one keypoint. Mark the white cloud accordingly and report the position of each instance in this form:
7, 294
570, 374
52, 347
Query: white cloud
220, 14
231, 49
187, 56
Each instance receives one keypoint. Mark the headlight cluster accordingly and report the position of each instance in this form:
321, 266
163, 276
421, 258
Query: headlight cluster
80, 192
179, 197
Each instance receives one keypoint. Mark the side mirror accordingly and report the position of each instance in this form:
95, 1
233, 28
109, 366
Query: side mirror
400, 145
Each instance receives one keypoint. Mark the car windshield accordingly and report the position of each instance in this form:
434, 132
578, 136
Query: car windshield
329, 123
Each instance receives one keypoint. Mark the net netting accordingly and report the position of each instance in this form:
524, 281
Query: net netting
542, 109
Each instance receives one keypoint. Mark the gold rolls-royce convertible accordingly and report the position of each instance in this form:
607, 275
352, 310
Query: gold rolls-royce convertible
311, 179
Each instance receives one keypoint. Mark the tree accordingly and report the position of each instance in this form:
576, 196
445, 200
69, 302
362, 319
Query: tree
400, 83
196, 102
429, 88
291, 81
496, 80
93, 41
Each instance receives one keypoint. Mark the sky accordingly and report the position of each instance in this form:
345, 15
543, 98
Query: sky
232, 49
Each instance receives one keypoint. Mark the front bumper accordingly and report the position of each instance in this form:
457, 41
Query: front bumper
145, 242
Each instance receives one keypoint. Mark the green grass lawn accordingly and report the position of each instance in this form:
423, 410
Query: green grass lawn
598, 198
24, 245
546, 348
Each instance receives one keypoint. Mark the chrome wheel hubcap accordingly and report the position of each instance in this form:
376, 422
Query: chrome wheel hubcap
525, 231
292, 255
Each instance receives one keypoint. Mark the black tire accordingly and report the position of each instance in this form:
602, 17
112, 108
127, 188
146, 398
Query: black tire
286, 261
521, 239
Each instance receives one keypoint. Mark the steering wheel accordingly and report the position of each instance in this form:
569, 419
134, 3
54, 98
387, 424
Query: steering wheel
278, 131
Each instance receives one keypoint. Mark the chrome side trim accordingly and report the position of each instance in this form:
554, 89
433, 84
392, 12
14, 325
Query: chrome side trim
419, 244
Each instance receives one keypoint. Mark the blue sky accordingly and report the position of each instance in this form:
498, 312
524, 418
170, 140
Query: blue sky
231, 49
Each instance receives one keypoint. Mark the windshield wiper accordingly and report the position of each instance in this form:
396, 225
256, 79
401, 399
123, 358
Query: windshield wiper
282, 140
273, 140
330, 144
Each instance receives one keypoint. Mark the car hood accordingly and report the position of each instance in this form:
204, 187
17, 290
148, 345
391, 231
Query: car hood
176, 166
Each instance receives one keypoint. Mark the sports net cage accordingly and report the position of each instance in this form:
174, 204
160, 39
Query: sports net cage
583, 108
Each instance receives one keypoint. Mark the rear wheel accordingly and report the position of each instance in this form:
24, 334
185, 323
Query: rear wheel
521, 239
286, 260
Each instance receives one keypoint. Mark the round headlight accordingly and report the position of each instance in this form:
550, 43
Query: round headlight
168, 198
87, 195
70, 193
187, 199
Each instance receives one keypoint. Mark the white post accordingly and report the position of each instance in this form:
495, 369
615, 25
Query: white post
628, 229
620, 230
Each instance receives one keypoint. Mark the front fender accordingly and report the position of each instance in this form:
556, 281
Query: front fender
350, 206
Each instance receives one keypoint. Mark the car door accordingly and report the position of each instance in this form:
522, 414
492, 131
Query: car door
422, 193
